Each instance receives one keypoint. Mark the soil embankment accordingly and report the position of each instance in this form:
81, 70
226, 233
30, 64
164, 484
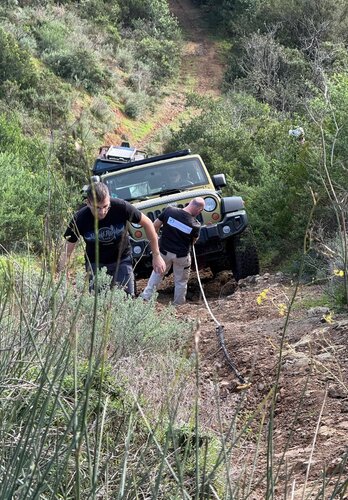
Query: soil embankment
311, 400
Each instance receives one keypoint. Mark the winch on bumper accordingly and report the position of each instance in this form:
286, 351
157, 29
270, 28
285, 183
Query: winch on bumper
214, 247
232, 224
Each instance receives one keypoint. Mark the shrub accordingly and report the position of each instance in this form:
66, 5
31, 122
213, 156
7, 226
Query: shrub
73, 162
136, 104
250, 144
68, 407
31, 203
15, 63
51, 97
53, 35
78, 66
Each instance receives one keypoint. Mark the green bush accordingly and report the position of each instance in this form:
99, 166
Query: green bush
101, 12
62, 394
272, 73
250, 143
136, 104
31, 203
78, 66
16, 64
73, 162
53, 35
51, 97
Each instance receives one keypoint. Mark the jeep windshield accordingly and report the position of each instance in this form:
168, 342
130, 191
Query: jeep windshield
140, 183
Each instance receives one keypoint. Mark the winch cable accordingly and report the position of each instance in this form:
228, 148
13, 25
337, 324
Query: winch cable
220, 332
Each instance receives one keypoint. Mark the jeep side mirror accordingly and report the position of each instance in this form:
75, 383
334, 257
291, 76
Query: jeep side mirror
219, 180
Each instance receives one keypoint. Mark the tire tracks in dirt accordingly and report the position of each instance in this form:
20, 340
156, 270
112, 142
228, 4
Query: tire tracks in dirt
201, 68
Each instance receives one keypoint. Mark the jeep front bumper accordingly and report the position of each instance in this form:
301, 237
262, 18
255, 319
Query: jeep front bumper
210, 246
232, 224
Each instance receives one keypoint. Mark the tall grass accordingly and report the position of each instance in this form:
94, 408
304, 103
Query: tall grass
99, 400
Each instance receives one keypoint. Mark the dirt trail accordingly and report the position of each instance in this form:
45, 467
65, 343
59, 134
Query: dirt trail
313, 377
201, 67
201, 58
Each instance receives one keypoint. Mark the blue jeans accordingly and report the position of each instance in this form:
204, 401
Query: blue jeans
121, 272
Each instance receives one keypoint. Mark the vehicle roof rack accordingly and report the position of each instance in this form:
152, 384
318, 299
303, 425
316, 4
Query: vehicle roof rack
101, 165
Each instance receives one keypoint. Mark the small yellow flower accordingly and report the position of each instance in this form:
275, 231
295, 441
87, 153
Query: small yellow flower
262, 296
282, 309
339, 272
328, 318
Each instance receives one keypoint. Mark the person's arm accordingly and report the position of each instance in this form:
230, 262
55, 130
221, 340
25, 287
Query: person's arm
66, 254
196, 235
157, 225
158, 263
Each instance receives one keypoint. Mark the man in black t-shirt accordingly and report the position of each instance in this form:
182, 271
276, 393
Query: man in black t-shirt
180, 231
109, 216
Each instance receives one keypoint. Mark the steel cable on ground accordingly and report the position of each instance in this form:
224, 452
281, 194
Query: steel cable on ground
219, 331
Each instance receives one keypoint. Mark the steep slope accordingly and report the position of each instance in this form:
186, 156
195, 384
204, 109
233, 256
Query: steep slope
201, 71
310, 425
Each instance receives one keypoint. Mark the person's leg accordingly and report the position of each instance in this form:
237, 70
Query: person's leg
122, 274
181, 271
156, 278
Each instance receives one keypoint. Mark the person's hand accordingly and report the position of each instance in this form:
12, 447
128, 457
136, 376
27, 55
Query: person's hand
158, 264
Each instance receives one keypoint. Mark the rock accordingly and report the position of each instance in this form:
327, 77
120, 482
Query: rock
302, 363
250, 280
326, 431
325, 356
344, 407
335, 466
342, 324
318, 311
336, 391
225, 383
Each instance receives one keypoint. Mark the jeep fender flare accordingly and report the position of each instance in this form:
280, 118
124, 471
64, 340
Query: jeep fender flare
231, 204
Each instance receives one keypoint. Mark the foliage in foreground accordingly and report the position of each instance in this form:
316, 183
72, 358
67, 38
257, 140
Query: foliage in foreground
60, 395
71, 429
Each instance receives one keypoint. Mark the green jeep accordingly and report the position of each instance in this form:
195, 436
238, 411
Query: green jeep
173, 179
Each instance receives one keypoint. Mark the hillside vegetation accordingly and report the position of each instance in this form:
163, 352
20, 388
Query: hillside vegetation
68, 71
75, 72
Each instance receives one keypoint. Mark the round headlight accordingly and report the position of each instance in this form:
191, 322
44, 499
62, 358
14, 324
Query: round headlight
137, 250
136, 226
209, 204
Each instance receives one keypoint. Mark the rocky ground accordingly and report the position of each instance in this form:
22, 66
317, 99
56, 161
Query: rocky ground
311, 397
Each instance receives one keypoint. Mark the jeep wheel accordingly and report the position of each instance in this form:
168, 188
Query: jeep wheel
244, 258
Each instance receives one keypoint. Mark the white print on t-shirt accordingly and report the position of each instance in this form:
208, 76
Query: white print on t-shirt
179, 225
106, 234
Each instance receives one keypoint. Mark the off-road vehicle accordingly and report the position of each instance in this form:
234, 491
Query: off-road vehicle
148, 184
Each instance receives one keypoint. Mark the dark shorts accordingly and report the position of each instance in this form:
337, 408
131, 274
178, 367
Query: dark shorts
121, 272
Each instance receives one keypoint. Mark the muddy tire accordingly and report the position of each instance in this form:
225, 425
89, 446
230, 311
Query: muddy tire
245, 260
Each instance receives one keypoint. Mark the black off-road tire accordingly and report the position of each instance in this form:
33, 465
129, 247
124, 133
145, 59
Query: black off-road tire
244, 258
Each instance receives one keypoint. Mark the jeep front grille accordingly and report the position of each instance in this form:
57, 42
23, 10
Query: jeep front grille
153, 215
